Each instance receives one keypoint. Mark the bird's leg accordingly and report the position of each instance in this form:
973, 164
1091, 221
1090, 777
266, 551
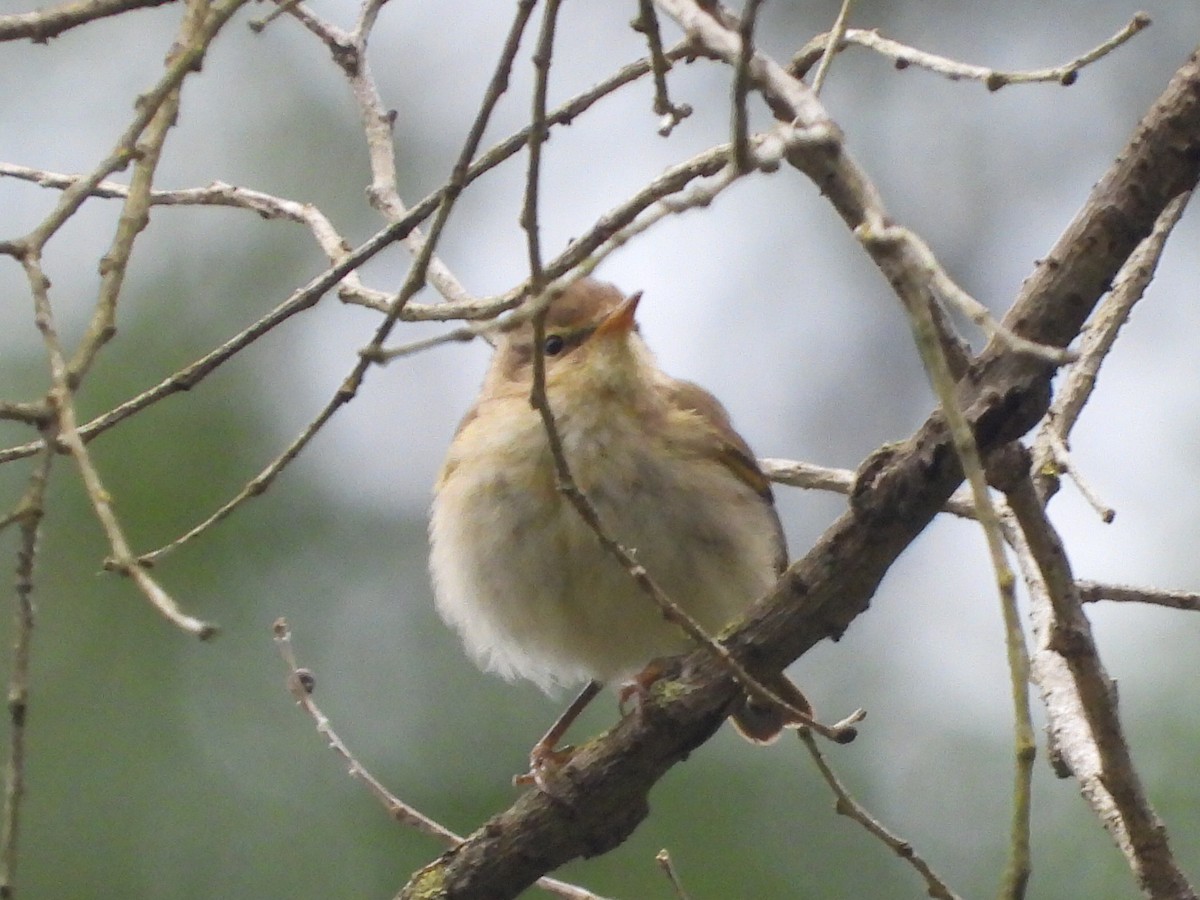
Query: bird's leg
546, 755
639, 687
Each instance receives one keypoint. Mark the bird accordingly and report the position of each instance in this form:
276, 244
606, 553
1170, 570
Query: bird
526, 582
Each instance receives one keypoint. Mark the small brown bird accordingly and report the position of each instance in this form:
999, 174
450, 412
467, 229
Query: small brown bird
525, 581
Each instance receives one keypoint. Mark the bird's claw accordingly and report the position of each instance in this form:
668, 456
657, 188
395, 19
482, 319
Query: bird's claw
639, 688
544, 763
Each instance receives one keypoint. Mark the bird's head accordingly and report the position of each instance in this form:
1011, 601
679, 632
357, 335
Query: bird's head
591, 344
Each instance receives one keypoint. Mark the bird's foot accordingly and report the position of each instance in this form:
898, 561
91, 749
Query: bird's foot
545, 760
639, 688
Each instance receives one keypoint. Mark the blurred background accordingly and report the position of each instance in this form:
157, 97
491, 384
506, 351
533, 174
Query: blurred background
160, 767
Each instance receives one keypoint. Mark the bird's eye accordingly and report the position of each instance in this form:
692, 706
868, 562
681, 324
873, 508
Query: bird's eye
553, 345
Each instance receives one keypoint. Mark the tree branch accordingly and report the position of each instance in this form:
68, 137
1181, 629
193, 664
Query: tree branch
1094, 592
1082, 703
42, 24
905, 56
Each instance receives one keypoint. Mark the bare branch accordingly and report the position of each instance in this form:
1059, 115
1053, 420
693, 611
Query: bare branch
41, 25
458, 335
672, 114
1097, 341
542, 56
1060, 459
219, 193
1077, 690
847, 806
349, 51
135, 210
994, 79
795, 473
663, 858
374, 350
1094, 592
186, 61
282, 8
925, 267
301, 683
763, 153
64, 411
29, 513
899, 254
833, 42
35, 414
741, 87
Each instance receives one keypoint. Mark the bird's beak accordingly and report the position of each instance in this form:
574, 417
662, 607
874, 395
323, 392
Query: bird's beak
621, 320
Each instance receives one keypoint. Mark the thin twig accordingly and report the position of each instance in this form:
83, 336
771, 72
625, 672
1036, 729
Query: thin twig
1099, 337
122, 559
257, 485
458, 335
344, 268
764, 153
663, 858
795, 473
832, 43
282, 8
1061, 459
671, 114
810, 476
29, 513
918, 302
135, 210
1098, 755
219, 193
847, 806
187, 61
301, 683
741, 87
994, 79
949, 291
538, 133
349, 387
35, 414
349, 52
42, 24
1095, 591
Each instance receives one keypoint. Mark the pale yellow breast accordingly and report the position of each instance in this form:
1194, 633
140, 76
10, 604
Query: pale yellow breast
527, 584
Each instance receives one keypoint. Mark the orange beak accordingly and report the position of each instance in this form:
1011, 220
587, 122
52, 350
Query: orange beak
621, 321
